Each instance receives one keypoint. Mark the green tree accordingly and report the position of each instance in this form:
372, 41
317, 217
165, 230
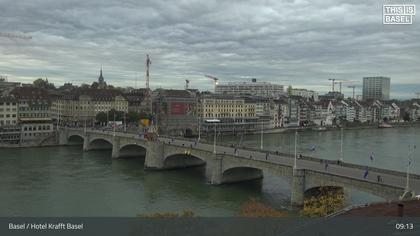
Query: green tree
133, 116
95, 85
119, 115
40, 83
289, 91
101, 117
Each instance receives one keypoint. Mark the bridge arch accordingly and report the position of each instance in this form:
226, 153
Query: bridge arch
182, 160
132, 150
75, 139
379, 190
100, 143
241, 173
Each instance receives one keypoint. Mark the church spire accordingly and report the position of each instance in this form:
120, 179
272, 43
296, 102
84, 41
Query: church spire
101, 80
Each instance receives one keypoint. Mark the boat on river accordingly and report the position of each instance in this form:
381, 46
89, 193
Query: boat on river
319, 128
384, 125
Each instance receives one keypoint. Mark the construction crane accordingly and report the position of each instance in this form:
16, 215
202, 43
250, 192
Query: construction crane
187, 83
15, 36
333, 83
353, 87
340, 82
215, 80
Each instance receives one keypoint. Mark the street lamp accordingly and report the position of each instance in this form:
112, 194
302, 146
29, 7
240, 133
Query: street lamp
215, 121
341, 145
125, 123
199, 128
262, 135
407, 185
295, 164
114, 124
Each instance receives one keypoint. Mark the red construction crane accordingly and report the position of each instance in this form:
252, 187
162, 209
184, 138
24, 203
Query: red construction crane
148, 92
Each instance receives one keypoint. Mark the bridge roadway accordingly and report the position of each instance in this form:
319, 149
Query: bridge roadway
232, 165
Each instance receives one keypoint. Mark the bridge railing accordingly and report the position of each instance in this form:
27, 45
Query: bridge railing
270, 152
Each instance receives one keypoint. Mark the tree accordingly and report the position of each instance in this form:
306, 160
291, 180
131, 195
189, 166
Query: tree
40, 83
133, 116
95, 85
289, 91
101, 117
119, 115
327, 201
254, 208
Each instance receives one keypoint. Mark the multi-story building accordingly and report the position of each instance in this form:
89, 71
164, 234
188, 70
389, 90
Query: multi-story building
8, 111
376, 88
304, 93
6, 86
253, 88
9, 129
80, 106
176, 112
236, 113
136, 100
34, 109
414, 111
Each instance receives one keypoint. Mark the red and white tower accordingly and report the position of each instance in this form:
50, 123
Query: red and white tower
148, 94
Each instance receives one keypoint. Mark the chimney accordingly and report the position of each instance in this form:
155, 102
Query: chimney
400, 210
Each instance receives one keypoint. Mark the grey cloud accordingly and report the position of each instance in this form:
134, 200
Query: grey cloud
299, 42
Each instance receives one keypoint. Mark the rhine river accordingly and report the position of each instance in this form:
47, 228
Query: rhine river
65, 181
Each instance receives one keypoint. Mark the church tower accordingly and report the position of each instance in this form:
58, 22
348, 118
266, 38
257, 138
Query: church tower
101, 81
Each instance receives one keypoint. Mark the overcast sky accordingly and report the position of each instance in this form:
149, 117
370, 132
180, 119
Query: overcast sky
301, 42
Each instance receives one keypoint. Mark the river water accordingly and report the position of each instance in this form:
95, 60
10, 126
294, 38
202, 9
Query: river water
65, 181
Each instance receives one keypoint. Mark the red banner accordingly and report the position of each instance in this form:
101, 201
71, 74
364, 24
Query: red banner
180, 108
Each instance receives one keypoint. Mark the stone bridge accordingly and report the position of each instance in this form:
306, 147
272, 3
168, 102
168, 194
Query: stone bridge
229, 165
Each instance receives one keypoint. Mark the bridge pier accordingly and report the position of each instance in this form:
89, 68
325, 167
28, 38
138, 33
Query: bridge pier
214, 169
62, 137
154, 156
86, 146
116, 148
298, 187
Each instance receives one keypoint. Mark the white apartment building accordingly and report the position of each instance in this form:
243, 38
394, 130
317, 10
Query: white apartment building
304, 93
253, 88
8, 111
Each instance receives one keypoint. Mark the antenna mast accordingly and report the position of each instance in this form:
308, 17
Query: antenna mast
148, 92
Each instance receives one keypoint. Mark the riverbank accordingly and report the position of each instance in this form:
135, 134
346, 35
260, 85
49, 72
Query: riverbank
43, 142
324, 128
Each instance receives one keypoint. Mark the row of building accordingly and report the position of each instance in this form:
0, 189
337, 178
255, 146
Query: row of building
29, 113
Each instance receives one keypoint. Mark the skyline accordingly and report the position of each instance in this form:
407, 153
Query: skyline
288, 42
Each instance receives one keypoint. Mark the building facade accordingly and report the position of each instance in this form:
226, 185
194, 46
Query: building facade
80, 106
376, 88
253, 88
175, 112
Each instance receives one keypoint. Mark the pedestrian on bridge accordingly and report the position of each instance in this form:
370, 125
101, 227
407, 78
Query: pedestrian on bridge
365, 175
266, 156
326, 165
